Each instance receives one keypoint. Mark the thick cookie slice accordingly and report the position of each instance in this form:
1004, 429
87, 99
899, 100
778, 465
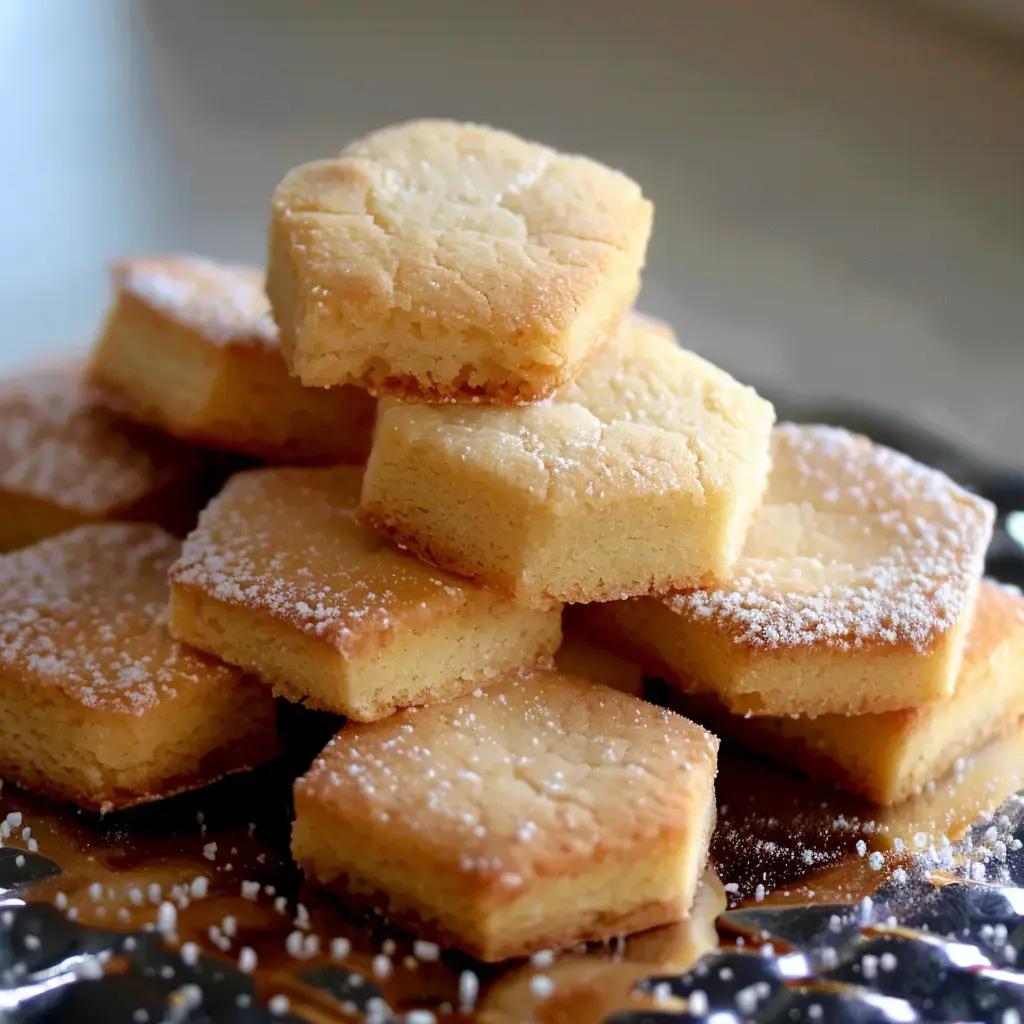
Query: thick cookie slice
280, 579
854, 592
446, 261
538, 813
189, 347
638, 477
891, 755
99, 705
66, 463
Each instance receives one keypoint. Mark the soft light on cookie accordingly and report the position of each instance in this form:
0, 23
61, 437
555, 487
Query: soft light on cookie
638, 477
535, 814
854, 592
452, 262
98, 704
65, 463
190, 348
280, 579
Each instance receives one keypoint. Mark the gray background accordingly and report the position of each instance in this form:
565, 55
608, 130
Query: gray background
839, 184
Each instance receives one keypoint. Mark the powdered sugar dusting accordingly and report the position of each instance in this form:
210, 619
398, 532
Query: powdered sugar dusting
84, 612
223, 301
54, 445
537, 767
855, 545
285, 541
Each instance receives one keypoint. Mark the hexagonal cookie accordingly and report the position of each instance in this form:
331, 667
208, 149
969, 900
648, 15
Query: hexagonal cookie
280, 579
854, 593
538, 813
638, 477
447, 261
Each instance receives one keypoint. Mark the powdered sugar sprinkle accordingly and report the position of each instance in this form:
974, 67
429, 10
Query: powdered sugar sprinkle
908, 585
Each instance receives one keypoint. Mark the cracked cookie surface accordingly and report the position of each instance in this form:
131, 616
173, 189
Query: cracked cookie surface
542, 811
638, 477
446, 261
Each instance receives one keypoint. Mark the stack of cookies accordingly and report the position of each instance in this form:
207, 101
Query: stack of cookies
468, 443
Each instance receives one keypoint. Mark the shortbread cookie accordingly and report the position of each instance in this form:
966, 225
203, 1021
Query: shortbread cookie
638, 477
65, 463
98, 704
541, 812
887, 757
189, 347
854, 592
446, 261
280, 579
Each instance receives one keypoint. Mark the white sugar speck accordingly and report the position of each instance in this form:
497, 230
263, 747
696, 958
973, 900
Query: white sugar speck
469, 989
279, 1005
166, 919
426, 951
541, 986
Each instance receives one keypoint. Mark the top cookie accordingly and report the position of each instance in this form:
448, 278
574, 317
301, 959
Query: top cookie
451, 262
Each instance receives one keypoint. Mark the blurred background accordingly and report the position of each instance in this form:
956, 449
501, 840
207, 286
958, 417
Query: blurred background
839, 183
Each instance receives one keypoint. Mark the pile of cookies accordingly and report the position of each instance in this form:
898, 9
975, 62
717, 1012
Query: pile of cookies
462, 442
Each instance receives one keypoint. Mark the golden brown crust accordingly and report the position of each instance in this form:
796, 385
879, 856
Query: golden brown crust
601, 928
408, 542
883, 756
537, 812
255, 748
99, 705
409, 389
377, 273
189, 347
